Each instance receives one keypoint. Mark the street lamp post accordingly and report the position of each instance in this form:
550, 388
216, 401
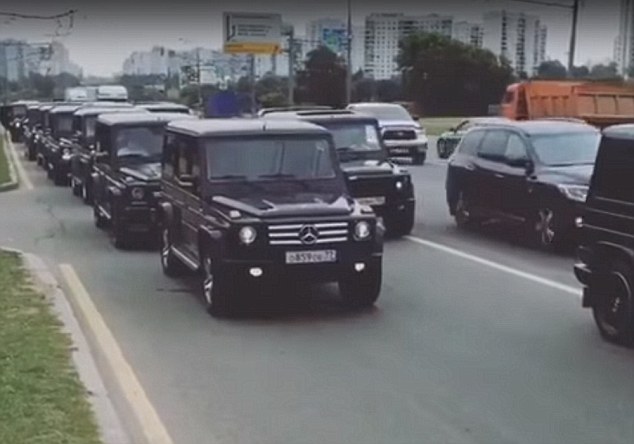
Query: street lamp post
574, 8
349, 55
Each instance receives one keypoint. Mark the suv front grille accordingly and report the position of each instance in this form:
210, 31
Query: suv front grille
399, 135
308, 233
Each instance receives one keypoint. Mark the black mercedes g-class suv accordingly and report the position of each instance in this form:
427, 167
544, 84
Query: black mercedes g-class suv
372, 178
251, 203
32, 125
605, 263
58, 144
125, 181
82, 161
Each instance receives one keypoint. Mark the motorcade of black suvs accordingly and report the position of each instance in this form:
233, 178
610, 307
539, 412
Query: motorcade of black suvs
58, 146
251, 203
371, 177
605, 256
532, 173
402, 133
165, 107
126, 173
83, 145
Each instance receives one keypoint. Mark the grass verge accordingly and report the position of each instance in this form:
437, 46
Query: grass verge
435, 126
4, 164
42, 400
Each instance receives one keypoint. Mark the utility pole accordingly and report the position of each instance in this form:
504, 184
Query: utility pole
349, 55
573, 36
254, 109
200, 83
574, 7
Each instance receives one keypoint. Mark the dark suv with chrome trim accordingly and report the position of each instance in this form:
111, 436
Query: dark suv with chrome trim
605, 264
58, 145
125, 181
254, 203
371, 177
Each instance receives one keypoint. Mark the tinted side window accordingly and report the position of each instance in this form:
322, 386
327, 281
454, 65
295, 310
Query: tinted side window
515, 148
614, 171
471, 142
102, 141
170, 155
493, 145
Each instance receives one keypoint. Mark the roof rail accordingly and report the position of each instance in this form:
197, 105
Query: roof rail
265, 111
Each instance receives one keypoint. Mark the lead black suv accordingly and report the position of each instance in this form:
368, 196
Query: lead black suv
125, 181
251, 203
605, 263
82, 161
532, 173
372, 179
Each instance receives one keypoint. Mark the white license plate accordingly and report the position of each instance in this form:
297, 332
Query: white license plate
311, 257
372, 201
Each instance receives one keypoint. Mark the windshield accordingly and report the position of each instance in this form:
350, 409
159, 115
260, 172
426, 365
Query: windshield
64, 124
387, 112
269, 158
358, 137
19, 111
567, 149
139, 143
34, 117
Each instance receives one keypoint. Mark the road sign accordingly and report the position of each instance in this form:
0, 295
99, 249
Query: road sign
334, 39
252, 33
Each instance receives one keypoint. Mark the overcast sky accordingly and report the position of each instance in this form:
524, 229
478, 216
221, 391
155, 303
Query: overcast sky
106, 32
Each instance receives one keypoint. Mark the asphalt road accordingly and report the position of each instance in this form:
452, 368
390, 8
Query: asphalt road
456, 351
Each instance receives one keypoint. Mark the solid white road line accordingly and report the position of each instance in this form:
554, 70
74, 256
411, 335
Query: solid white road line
497, 266
148, 419
23, 177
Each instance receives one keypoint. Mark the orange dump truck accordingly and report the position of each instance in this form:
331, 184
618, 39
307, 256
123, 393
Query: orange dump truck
599, 104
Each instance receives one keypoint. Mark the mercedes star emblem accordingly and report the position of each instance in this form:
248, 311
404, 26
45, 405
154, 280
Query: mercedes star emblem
308, 234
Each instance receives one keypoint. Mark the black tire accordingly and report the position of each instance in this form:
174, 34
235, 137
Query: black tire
419, 158
50, 173
361, 290
399, 225
86, 192
613, 307
100, 221
462, 213
31, 155
218, 290
59, 178
76, 188
441, 149
170, 264
118, 234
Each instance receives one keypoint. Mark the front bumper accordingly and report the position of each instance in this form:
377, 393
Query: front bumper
406, 147
276, 272
139, 218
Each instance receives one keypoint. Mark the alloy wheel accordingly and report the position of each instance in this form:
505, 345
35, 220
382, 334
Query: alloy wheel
463, 217
613, 305
208, 282
546, 227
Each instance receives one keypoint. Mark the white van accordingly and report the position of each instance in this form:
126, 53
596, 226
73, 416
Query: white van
112, 93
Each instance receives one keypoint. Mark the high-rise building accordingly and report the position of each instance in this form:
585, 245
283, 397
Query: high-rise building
518, 37
19, 58
624, 44
383, 32
468, 33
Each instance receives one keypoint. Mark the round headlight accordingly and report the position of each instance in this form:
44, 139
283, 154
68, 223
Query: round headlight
137, 193
362, 230
399, 185
247, 235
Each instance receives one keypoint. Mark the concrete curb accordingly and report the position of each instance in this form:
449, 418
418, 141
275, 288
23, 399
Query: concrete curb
110, 424
13, 177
